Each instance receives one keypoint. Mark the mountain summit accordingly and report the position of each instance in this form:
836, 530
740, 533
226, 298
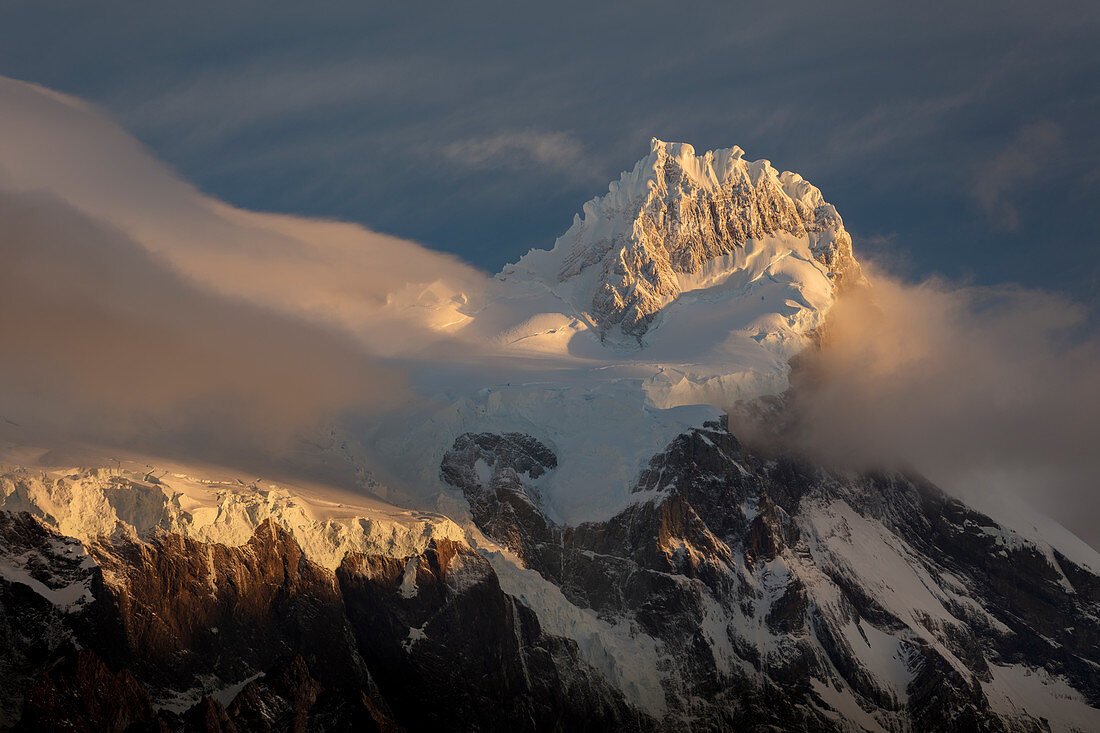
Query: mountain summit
557, 530
677, 221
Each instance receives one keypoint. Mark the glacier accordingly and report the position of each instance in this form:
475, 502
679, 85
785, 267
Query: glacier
555, 479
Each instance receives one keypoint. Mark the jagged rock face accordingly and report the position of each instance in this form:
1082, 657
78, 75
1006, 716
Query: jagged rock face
176, 603
292, 698
44, 580
171, 619
437, 627
83, 694
501, 503
776, 593
675, 213
855, 599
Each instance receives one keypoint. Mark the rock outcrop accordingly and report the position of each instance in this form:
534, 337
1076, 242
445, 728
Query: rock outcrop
674, 215
178, 634
873, 600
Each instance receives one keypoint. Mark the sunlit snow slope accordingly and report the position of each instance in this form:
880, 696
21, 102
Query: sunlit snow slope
686, 287
690, 283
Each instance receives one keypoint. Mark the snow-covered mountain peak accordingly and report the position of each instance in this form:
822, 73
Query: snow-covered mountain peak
715, 168
686, 287
676, 223
708, 170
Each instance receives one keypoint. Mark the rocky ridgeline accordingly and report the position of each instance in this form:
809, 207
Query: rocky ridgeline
382, 643
776, 593
675, 213
853, 599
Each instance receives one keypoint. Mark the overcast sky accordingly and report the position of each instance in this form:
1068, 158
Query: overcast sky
953, 138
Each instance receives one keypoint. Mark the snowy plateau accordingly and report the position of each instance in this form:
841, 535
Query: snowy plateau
557, 531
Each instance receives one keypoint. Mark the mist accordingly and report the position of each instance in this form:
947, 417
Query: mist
991, 392
104, 341
136, 311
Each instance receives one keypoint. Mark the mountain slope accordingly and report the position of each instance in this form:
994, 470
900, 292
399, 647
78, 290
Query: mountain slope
552, 526
664, 228
874, 600
179, 633
742, 589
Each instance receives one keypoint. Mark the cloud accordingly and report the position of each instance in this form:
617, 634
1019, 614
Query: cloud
335, 274
523, 149
1020, 162
989, 391
901, 123
104, 340
132, 308
223, 103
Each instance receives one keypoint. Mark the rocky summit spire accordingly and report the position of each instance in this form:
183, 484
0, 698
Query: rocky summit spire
677, 211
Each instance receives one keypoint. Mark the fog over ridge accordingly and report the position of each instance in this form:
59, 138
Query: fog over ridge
984, 389
130, 300
136, 309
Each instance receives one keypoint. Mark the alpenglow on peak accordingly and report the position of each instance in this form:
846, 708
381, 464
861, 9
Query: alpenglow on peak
673, 216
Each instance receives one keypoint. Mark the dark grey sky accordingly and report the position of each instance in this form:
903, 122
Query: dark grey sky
958, 138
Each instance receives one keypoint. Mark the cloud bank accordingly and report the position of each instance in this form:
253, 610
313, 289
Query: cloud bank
104, 339
134, 309
989, 391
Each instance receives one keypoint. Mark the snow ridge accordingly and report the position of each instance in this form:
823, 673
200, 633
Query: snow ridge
636, 248
90, 504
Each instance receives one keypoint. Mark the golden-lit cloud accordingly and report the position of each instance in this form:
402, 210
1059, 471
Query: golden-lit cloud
987, 390
133, 306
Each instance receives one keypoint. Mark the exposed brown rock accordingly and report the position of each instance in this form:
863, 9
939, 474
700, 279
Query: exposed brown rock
83, 695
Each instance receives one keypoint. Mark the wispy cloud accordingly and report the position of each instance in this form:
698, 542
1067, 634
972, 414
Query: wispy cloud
523, 149
1017, 164
886, 125
227, 101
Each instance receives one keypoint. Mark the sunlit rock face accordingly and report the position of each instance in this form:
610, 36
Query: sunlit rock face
676, 212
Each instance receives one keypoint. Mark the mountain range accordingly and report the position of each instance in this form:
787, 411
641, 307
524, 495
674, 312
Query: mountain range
554, 522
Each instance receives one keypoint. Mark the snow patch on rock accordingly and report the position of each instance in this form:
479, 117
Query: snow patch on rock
627, 657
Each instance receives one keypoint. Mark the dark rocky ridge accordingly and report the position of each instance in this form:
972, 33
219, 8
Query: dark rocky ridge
737, 537
334, 649
749, 570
